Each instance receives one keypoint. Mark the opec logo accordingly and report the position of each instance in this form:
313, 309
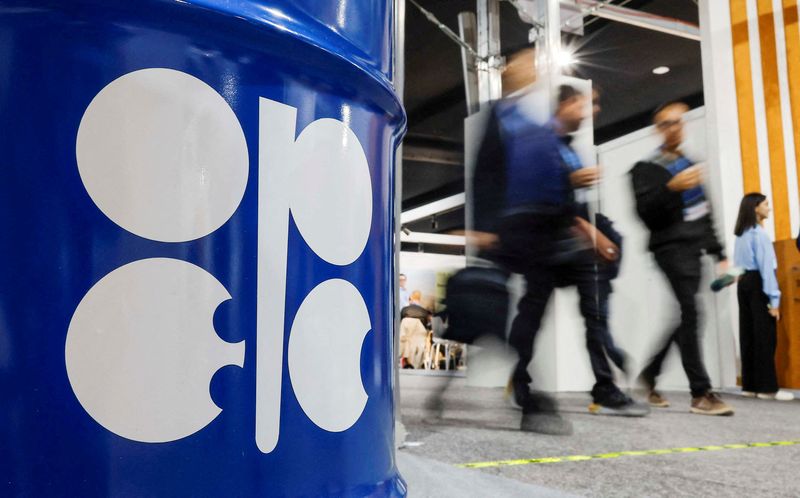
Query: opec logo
164, 157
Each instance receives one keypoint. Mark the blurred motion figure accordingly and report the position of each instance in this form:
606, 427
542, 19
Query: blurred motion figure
524, 184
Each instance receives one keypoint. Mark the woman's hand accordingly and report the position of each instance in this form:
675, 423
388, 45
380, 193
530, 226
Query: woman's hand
775, 313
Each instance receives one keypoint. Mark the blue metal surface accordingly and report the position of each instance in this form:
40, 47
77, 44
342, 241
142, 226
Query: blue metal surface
324, 59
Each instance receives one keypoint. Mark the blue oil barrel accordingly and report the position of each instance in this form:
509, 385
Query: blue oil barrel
197, 246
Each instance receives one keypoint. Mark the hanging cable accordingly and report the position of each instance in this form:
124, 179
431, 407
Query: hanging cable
448, 32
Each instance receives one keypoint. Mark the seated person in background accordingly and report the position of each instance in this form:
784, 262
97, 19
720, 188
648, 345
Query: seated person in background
413, 343
416, 310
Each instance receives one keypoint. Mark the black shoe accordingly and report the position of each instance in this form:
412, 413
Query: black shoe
609, 400
531, 401
550, 423
540, 413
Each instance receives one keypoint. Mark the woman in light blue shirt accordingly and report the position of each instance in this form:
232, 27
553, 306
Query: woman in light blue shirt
759, 300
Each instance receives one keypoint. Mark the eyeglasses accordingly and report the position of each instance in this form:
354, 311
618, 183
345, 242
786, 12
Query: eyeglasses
669, 123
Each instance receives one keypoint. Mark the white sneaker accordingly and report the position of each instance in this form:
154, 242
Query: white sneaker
748, 394
778, 396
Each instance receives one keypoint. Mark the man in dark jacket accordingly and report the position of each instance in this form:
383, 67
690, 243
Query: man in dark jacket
580, 267
524, 186
671, 201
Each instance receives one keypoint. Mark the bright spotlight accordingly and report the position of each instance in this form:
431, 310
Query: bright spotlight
660, 70
565, 58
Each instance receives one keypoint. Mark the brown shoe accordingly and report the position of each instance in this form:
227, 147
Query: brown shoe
710, 404
657, 400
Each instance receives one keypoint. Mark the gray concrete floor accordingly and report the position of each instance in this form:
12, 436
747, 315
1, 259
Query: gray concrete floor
478, 425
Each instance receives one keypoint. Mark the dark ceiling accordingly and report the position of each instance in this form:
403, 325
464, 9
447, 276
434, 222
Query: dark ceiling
618, 58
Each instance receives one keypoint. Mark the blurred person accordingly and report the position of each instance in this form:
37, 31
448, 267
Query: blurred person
402, 292
520, 210
589, 269
524, 186
416, 310
415, 325
759, 300
607, 398
672, 203
413, 343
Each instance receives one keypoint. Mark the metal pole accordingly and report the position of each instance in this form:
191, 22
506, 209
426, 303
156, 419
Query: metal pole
468, 30
490, 63
548, 70
398, 80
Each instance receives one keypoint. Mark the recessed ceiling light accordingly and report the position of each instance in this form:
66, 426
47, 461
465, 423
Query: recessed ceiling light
661, 70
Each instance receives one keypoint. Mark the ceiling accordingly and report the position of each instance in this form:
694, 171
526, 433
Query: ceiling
618, 58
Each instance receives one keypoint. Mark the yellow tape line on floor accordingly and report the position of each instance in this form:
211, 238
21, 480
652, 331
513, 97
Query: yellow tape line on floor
618, 454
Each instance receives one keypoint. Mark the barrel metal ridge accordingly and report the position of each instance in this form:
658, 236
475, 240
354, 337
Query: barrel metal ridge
334, 44
255, 15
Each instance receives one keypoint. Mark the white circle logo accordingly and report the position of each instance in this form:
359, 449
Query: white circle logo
332, 191
325, 354
141, 349
162, 155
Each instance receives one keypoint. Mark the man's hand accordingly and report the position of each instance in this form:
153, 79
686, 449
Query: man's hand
585, 177
775, 313
686, 179
604, 248
722, 266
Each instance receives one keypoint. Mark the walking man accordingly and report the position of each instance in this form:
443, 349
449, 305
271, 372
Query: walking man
672, 203
581, 267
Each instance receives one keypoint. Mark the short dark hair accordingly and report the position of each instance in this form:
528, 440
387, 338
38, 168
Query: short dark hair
747, 218
567, 92
666, 105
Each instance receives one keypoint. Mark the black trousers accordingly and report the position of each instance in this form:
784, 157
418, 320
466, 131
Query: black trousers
681, 265
594, 296
757, 336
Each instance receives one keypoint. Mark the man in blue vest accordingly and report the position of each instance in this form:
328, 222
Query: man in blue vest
524, 186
